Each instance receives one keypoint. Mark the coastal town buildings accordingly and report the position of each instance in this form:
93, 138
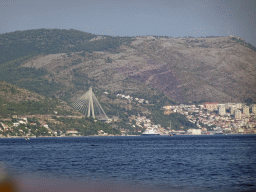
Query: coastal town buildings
215, 118
209, 118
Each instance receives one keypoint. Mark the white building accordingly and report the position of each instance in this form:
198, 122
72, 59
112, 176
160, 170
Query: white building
46, 126
246, 110
141, 101
25, 119
221, 110
232, 110
239, 105
22, 122
16, 124
127, 97
194, 131
237, 114
73, 132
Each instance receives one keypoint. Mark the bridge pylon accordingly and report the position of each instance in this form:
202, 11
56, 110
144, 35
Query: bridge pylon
89, 105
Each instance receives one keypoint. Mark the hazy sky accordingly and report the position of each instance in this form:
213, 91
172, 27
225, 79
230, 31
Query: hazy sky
134, 17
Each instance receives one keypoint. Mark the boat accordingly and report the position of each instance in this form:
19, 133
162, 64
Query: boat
27, 138
150, 132
171, 134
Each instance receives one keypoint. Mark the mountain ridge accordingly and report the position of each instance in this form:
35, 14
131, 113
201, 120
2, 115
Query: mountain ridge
213, 69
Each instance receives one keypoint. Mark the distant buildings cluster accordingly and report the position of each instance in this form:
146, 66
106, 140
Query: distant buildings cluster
129, 98
224, 118
21, 127
210, 118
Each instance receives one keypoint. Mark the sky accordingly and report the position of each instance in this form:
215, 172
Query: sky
173, 18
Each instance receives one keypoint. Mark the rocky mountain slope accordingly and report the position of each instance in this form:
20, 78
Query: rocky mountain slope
206, 69
203, 69
220, 69
18, 101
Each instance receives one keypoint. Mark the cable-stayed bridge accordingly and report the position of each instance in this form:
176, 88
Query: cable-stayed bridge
89, 105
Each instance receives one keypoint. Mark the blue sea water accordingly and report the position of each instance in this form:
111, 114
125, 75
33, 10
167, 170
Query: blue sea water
179, 163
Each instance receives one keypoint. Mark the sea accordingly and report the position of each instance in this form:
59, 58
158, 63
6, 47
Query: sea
131, 163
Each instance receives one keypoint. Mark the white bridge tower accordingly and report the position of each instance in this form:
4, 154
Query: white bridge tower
89, 105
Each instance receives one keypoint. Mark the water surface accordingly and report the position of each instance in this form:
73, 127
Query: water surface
181, 163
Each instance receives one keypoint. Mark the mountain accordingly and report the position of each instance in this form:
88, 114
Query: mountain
63, 64
19, 101
220, 69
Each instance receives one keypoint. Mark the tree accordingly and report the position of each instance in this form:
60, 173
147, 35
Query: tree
109, 60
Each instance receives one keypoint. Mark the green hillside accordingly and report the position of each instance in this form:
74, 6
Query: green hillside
20, 44
18, 101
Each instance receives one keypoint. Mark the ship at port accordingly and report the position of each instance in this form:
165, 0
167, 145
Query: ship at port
150, 132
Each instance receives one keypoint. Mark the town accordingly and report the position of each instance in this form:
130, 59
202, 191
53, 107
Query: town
209, 118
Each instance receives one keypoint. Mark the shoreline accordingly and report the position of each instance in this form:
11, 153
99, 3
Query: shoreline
23, 137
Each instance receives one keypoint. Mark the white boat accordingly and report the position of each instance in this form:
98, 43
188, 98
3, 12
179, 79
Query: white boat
150, 132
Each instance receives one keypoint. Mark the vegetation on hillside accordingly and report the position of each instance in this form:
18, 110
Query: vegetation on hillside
86, 126
242, 42
178, 121
27, 77
40, 41
26, 108
19, 44
17, 101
